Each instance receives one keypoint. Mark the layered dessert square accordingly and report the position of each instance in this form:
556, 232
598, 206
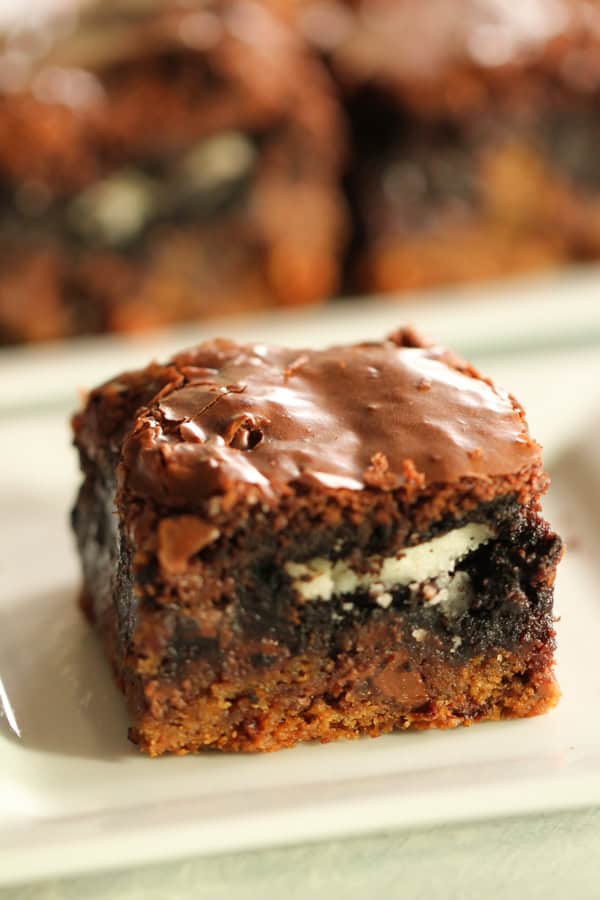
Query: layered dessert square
283, 545
474, 135
162, 161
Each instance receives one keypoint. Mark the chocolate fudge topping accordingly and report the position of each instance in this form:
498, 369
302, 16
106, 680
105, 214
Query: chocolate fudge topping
235, 416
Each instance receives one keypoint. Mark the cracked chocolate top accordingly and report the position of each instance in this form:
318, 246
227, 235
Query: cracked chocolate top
371, 415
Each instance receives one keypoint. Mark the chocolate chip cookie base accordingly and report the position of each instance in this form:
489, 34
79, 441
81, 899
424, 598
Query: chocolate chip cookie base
299, 703
379, 686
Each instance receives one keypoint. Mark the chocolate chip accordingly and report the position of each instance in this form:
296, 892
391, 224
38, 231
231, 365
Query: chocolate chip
244, 432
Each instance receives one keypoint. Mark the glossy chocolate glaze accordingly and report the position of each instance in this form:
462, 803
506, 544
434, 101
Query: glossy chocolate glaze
372, 415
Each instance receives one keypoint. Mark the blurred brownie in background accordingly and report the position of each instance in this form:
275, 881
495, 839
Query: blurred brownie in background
162, 161
476, 129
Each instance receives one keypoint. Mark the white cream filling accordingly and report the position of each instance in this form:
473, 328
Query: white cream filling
321, 579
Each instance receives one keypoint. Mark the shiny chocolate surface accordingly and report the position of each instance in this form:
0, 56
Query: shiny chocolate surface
370, 415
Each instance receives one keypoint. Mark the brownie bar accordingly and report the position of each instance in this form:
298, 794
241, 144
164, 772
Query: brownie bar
474, 132
283, 545
163, 161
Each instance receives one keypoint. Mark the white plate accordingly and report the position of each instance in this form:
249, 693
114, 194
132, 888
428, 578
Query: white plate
75, 796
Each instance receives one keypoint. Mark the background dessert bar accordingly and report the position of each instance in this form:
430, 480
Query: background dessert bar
475, 127
164, 161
